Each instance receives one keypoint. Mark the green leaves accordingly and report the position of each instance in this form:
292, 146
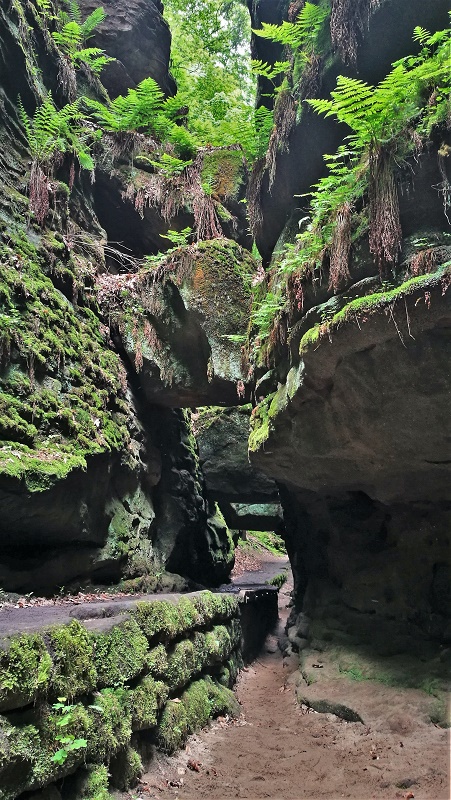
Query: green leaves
136, 110
303, 33
73, 35
67, 741
269, 71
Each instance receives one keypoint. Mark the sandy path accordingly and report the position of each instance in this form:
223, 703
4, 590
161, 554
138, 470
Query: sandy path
283, 752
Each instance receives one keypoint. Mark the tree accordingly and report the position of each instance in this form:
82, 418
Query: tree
211, 64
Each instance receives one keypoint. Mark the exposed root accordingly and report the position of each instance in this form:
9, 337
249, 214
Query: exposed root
427, 261
171, 193
340, 248
310, 83
254, 197
39, 192
294, 9
284, 122
348, 21
385, 228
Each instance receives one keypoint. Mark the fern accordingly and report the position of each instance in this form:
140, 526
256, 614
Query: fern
93, 57
415, 94
91, 23
51, 133
74, 34
136, 110
168, 165
269, 71
303, 33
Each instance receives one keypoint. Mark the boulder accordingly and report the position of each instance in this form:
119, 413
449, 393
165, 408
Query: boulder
137, 36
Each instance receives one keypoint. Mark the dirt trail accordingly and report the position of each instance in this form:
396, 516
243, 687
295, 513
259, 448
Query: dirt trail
282, 751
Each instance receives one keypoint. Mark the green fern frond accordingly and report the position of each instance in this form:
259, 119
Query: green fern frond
92, 22
269, 71
302, 33
93, 57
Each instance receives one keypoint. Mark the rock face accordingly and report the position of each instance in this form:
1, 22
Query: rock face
388, 37
137, 36
248, 499
93, 486
133, 663
357, 433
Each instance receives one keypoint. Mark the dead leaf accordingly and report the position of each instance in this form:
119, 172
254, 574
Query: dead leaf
194, 766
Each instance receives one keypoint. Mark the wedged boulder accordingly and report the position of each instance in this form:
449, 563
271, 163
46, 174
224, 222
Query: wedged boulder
253, 516
137, 36
222, 435
178, 323
138, 203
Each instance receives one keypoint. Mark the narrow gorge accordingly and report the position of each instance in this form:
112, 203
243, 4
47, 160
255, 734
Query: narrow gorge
225, 251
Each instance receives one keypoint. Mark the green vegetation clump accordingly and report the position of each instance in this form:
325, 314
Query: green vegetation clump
95, 785
61, 384
203, 699
158, 620
267, 540
120, 654
146, 700
359, 195
74, 671
25, 670
278, 580
157, 661
370, 304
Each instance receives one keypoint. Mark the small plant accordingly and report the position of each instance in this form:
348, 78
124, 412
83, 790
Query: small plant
50, 134
67, 741
74, 34
178, 238
277, 580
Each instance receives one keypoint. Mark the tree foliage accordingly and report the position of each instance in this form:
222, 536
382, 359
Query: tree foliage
211, 64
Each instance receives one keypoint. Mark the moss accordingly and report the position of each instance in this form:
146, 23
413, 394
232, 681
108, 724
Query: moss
181, 664
188, 614
202, 699
210, 606
25, 669
370, 304
223, 172
126, 768
260, 424
218, 644
57, 419
173, 727
109, 726
72, 648
95, 785
157, 661
146, 700
158, 620
120, 654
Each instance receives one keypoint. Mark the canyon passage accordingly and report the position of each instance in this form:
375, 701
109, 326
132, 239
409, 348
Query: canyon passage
225, 442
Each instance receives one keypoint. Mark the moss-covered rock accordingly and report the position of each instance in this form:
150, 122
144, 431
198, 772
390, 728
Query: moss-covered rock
25, 670
120, 654
146, 700
202, 700
179, 320
73, 655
